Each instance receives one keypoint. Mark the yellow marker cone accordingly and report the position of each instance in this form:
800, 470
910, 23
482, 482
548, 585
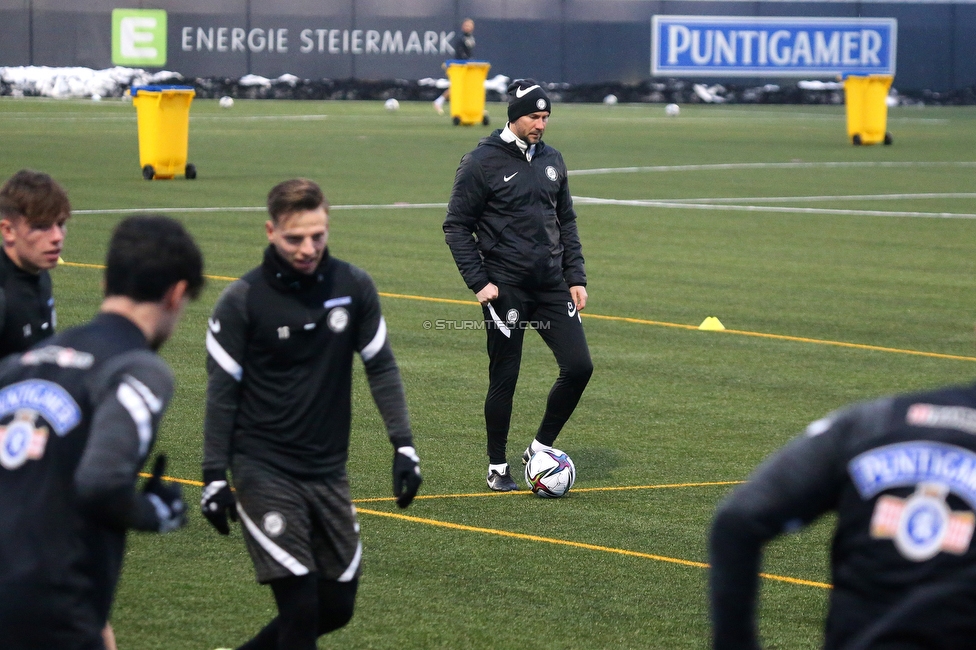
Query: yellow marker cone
711, 324
60, 260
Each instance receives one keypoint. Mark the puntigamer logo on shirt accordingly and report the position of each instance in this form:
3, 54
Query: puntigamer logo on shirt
139, 37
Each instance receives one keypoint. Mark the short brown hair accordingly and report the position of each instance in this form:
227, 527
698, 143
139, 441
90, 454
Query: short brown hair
35, 196
297, 194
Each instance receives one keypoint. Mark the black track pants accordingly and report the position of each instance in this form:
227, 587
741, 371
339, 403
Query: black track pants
551, 313
307, 608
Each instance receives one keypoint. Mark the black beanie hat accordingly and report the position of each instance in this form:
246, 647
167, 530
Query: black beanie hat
526, 96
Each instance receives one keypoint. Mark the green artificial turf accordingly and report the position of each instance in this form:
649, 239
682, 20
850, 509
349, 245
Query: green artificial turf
667, 406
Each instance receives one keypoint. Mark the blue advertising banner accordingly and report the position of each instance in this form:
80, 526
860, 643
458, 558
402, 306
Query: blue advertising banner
710, 46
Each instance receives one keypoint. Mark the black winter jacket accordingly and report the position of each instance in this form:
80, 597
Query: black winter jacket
511, 221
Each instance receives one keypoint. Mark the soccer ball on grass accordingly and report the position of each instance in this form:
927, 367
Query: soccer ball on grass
391, 104
550, 473
226, 102
672, 110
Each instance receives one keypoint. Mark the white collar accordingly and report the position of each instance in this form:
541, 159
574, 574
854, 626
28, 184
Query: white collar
507, 135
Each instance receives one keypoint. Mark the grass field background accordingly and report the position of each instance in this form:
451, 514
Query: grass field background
770, 221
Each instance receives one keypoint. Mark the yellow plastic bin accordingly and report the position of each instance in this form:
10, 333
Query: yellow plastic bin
866, 99
468, 91
163, 115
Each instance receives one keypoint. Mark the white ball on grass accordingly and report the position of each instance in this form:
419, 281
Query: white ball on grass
96, 97
550, 473
392, 104
672, 110
610, 100
226, 102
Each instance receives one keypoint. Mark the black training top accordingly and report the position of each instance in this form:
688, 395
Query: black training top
78, 417
26, 307
511, 220
900, 473
463, 45
280, 346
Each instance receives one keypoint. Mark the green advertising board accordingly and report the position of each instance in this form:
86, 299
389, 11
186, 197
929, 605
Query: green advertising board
139, 37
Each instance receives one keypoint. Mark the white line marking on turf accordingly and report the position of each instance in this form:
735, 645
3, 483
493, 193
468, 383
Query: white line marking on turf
762, 165
717, 203
194, 118
839, 197
584, 200
261, 208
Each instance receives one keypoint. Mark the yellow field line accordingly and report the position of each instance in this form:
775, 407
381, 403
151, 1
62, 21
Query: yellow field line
575, 490
582, 545
548, 540
407, 296
642, 321
82, 266
664, 486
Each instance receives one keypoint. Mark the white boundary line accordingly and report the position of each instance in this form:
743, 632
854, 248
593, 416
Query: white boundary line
193, 118
584, 200
261, 208
761, 165
718, 203
825, 197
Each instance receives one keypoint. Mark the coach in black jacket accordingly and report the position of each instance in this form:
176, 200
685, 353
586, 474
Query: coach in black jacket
512, 230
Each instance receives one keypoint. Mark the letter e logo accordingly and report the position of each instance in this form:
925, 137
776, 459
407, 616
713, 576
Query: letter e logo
139, 37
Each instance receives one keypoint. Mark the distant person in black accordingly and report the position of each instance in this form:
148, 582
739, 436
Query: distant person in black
33, 212
511, 227
78, 419
463, 46
900, 474
280, 348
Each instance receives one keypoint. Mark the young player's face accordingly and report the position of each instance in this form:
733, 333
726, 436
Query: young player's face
300, 238
530, 127
467, 26
33, 249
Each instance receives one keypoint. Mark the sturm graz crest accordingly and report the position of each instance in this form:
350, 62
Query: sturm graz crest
273, 523
551, 173
338, 319
22, 439
923, 525
512, 317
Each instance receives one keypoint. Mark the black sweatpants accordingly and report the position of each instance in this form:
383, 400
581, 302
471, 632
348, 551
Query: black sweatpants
553, 315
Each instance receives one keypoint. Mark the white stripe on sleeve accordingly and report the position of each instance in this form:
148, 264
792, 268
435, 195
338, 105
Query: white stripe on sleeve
154, 403
374, 346
280, 555
223, 359
134, 404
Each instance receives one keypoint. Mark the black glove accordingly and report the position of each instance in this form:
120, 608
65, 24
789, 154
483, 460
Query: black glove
217, 502
166, 498
406, 475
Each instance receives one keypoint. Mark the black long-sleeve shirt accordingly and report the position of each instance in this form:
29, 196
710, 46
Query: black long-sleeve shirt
78, 417
900, 473
280, 346
463, 45
510, 220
